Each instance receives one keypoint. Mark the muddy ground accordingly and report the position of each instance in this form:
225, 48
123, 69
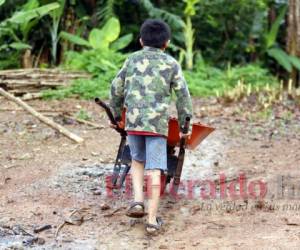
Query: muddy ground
44, 177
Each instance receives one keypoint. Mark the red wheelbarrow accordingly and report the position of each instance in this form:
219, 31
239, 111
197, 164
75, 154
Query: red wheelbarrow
174, 160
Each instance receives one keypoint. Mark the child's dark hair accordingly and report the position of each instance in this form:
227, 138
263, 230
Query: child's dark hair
155, 33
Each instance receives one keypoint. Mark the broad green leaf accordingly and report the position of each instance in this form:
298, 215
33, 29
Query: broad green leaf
27, 27
2, 2
4, 47
175, 21
272, 35
74, 39
97, 39
281, 58
9, 31
111, 29
57, 13
20, 46
25, 16
295, 61
122, 42
30, 5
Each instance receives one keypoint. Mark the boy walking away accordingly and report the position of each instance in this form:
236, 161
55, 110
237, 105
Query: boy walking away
143, 87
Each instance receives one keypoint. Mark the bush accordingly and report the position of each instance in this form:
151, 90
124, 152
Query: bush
203, 81
208, 81
102, 65
84, 88
95, 62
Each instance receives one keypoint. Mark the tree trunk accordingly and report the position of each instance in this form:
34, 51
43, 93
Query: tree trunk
189, 43
69, 24
27, 59
293, 38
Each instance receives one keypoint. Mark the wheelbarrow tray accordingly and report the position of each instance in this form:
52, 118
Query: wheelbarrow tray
199, 133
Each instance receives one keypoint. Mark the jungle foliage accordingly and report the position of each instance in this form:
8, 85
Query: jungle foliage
218, 42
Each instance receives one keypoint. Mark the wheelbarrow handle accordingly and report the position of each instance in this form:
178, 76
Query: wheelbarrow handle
110, 116
185, 130
181, 154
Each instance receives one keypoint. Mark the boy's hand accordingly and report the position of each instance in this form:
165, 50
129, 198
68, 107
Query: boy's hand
185, 136
120, 124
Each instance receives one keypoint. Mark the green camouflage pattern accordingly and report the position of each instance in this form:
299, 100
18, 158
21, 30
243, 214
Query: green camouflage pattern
144, 87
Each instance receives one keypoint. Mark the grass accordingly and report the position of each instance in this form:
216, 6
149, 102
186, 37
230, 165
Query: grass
211, 81
83, 115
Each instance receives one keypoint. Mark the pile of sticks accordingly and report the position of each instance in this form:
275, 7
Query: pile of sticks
41, 117
28, 84
32, 81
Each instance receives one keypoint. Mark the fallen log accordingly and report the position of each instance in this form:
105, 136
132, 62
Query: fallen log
23, 91
41, 117
34, 72
15, 83
22, 81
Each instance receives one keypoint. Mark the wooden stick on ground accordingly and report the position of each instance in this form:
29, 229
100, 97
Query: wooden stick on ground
41, 117
92, 124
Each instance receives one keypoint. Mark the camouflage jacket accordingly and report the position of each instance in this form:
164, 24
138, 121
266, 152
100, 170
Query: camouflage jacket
144, 86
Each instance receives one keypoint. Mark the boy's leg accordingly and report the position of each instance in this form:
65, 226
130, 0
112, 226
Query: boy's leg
156, 161
137, 175
137, 150
154, 194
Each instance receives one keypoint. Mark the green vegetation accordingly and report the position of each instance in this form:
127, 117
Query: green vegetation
16, 30
86, 89
220, 43
97, 61
207, 80
83, 115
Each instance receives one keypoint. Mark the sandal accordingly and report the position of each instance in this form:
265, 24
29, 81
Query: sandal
136, 210
153, 229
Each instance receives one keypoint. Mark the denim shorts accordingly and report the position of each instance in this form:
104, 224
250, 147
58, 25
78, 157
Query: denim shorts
152, 150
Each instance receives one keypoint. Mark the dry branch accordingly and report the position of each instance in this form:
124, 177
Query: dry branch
41, 117
77, 217
92, 124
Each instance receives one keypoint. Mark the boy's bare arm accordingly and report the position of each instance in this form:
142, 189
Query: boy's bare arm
117, 92
184, 101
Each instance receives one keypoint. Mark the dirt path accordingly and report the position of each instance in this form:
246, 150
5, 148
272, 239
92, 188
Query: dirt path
44, 177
